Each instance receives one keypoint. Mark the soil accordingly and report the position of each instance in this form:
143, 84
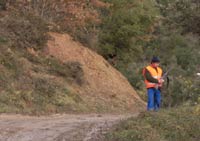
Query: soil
88, 127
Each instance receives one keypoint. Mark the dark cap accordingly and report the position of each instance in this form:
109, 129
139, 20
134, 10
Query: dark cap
155, 60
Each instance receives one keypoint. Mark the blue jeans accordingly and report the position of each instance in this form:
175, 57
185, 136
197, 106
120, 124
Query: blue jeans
154, 99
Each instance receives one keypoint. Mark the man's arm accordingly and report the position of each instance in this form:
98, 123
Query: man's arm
148, 77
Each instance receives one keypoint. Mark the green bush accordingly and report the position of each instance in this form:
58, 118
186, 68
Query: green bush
122, 28
181, 13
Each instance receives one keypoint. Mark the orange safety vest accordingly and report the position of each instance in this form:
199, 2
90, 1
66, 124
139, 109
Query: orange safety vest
155, 74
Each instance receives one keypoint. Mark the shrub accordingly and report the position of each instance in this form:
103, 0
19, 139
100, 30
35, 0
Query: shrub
126, 23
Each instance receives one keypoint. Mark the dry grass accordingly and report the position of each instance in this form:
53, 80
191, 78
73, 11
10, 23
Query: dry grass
181, 124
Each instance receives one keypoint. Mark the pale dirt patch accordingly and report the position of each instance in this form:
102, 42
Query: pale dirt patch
57, 127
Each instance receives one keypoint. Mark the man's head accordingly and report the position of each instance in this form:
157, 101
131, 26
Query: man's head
155, 62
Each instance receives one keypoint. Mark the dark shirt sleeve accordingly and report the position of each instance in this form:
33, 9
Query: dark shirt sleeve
148, 77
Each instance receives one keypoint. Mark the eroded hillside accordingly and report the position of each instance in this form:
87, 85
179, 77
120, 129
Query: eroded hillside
48, 72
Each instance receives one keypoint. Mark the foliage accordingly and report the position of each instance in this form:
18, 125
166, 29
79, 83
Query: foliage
182, 13
178, 48
135, 31
123, 29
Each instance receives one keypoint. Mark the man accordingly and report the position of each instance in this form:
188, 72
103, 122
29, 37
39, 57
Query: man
153, 81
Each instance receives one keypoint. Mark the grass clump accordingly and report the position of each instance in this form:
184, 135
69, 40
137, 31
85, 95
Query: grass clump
181, 124
71, 71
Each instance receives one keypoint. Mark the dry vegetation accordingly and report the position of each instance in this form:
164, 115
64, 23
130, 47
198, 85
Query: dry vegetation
168, 125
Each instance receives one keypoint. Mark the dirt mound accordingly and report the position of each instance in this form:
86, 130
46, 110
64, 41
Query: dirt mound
104, 88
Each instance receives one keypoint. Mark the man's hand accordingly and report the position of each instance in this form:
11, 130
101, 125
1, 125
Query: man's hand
160, 81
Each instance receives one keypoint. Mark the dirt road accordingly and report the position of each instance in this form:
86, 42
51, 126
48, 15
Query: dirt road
56, 127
